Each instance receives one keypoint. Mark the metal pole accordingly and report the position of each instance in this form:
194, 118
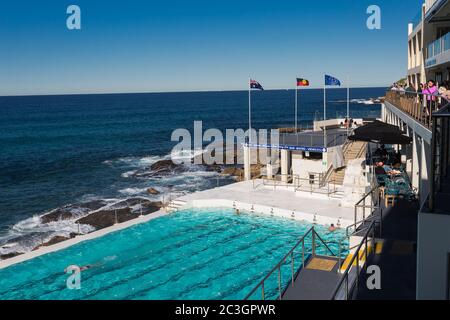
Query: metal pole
292, 267
348, 104
339, 257
313, 243
303, 253
296, 106
324, 115
262, 290
364, 209
249, 110
357, 268
367, 250
279, 280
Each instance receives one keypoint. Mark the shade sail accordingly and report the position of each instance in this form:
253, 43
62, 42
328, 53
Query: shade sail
380, 132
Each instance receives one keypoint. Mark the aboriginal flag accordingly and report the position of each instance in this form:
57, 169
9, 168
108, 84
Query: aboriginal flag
255, 85
302, 82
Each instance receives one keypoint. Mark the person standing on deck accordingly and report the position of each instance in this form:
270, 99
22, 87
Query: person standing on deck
430, 91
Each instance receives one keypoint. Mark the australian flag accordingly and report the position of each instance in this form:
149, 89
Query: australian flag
255, 85
331, 81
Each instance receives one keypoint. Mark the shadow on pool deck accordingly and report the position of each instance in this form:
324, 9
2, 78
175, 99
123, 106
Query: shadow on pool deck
397, 260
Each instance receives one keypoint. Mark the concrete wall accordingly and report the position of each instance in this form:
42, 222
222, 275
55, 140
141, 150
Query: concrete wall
432, 256
302, 166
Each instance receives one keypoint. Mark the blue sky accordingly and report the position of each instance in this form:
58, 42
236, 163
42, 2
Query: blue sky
148, 46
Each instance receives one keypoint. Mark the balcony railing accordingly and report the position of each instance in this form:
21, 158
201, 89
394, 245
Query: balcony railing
417, 105
439, 46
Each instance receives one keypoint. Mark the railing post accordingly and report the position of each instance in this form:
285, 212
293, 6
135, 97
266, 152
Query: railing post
364, 209
303, 253
262, 291
313, 243
279, 281
339, 255
357, 268
292, 267
367, 251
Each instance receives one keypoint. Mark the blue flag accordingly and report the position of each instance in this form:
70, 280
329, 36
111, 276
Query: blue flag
331, 81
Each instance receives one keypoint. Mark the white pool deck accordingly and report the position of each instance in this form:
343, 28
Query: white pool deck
255, 194
249, 196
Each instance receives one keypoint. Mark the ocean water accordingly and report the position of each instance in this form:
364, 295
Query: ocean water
60, 150
191, 254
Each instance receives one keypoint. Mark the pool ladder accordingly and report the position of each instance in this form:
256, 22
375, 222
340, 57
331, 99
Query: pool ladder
175, 205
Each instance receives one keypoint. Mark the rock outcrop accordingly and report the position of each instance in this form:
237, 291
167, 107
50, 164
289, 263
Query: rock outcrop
66, 213
106, 218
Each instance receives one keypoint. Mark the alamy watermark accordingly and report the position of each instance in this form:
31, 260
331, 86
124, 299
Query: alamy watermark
73, 21
73, 282
374, 20
224, 147
373, 281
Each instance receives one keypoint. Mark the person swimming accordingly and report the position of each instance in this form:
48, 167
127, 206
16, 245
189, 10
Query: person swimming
84, 268
332, 228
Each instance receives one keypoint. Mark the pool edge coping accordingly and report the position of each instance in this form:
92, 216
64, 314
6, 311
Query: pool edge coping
194, 203
81, 238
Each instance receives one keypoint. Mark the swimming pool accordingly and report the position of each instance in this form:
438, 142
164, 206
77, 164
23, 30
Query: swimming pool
191, 254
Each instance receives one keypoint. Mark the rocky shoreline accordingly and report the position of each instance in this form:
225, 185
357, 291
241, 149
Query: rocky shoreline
98, 215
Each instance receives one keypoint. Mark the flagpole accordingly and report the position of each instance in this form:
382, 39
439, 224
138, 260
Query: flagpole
324, 115
296, 112
348, 104
249, 111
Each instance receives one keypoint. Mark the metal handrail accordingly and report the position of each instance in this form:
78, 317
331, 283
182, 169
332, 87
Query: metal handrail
373, 205
345, 276
290, 254
316, 182
275, 182
356, 230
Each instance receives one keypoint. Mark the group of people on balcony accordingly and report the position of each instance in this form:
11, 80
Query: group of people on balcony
429, 94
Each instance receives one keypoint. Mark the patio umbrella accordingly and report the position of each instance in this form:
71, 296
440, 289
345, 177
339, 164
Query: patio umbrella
380, 132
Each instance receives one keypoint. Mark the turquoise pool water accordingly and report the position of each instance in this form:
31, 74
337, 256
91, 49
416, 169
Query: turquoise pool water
192, 254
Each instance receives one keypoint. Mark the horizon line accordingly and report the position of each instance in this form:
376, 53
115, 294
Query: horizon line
186, 91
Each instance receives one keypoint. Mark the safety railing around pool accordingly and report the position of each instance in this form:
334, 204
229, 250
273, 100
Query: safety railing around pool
356, 229
279, 180
291, 254
368, 205
315, 185
363, 253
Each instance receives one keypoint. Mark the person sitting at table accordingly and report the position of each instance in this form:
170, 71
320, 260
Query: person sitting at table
397, 165
390, 170
379, 169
